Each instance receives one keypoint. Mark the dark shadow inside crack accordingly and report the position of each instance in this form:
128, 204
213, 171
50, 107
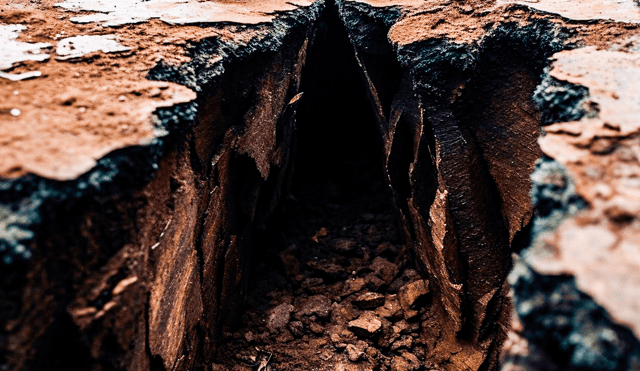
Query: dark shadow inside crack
335, 238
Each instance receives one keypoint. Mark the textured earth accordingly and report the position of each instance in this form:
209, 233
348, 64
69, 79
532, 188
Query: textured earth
342, 294
341, 185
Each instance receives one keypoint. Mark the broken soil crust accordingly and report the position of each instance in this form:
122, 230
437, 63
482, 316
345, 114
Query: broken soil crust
95, 96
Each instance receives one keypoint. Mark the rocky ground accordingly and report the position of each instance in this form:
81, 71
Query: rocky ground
344, 294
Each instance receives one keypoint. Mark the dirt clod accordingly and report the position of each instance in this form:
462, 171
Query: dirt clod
279, 317
410, 296
367, 325
369, 300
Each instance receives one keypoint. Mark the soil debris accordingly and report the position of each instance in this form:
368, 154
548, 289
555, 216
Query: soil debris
328, 304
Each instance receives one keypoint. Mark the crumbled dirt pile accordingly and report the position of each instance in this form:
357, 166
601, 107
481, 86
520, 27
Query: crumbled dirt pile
344, 296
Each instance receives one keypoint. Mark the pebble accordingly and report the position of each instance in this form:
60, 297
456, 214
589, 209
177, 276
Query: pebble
155, 92
344, 312
279, 317
409, 295
320, 305
406, 362
316, 328
353, 285
373, 282
401, 327
15, 112
384, 269
405, 342
328, 269
367, 325
391, 308
356, 351
346, 367
409, 275
285, 336
310, 282
369, 300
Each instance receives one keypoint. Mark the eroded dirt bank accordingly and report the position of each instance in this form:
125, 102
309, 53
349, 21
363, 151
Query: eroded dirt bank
330, 185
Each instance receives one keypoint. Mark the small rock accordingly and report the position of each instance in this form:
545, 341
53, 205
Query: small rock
325, 355
410, 295
367, 325
335, 290
391, 309
321, 233
328, 269
296, 328
356, 351
402, 327
373, 282
374, 234
310, 282
602, 146
337, 335
381, 248
384, 269
406, 362
15, 112
285, 336
340, 336
279, 317
372, 353
343, 312
369, 300
409, 275
248, 336
412, 359
155, 92
387, 335
400, 364
405, 342
320, 305
352, 285
316, 328
346, 367
420, 353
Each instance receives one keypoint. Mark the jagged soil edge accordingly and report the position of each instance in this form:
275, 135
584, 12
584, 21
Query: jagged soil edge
457, 64
557, 328
133, 167
429, 83
37, 201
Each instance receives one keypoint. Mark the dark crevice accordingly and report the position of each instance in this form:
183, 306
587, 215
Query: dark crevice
336, 126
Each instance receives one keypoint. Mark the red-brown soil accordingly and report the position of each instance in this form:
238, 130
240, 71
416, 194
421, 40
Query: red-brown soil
160, 208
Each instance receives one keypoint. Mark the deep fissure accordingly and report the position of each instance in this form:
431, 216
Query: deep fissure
340, 167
